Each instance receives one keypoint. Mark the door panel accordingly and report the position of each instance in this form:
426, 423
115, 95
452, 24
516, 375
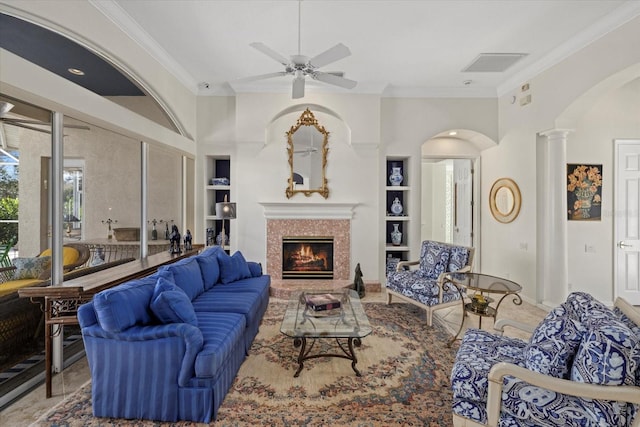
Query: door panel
463, 208
627, 221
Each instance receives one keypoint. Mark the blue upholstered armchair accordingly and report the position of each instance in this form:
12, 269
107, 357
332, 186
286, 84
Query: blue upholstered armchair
581, 367
423, 286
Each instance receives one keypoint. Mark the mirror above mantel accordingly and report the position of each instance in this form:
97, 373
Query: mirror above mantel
307, 148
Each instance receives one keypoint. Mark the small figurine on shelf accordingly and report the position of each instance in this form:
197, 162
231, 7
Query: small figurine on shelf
174, 240
166, 231
154, 232
109, 222
187, 241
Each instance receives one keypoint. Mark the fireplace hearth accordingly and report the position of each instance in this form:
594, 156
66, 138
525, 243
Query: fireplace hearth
307, 257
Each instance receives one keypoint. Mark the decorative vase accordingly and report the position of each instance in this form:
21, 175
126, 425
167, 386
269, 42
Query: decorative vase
396, 207
154, 233
396, 176
585, 197
396, 235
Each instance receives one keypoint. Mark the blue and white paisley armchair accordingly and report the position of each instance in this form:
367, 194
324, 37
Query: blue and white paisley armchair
581, 367
423, 286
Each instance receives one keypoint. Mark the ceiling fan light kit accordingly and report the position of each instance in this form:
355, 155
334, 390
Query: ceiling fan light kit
300, 66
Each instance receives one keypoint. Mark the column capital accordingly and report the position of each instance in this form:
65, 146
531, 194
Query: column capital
556, 133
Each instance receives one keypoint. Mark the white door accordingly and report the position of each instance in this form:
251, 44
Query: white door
463, 202
627, 221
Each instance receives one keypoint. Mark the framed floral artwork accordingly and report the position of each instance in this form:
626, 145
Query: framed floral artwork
584, 192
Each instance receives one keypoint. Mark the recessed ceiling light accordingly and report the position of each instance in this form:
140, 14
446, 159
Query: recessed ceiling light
453, 133
76, 71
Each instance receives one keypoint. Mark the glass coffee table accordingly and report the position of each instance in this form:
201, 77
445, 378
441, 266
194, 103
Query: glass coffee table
347, 324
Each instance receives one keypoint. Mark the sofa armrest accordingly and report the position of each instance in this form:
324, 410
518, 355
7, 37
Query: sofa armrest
177, 341
501, 323
497, 373
405, 265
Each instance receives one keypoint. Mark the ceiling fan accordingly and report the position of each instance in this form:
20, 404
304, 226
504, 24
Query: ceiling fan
301, 66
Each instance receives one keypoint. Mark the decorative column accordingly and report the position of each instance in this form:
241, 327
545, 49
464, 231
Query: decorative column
57, 182
553, 275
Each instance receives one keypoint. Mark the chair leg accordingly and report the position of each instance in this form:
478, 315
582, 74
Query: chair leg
429, 317
388, 298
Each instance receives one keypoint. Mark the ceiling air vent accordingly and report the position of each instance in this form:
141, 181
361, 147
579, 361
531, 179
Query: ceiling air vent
493, 62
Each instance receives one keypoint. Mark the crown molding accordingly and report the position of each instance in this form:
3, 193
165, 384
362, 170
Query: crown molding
120, 18
620, 16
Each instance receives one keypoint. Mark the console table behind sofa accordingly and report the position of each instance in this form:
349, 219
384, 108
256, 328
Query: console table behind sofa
60, 303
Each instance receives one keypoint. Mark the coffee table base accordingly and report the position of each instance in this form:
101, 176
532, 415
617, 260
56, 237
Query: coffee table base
347, 352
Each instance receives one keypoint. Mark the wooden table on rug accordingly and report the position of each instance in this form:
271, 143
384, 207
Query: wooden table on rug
347, 323
481, 285
60, 303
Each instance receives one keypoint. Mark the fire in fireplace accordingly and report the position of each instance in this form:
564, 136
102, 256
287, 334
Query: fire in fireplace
307, 257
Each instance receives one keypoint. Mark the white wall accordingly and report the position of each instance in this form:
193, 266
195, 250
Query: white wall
561, 98
617, 115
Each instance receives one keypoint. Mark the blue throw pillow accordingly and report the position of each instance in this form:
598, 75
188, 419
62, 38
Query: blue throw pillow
209, 266
228, 270
187, 275
171, 305
255, 268
554, 343
241, 264
125, 305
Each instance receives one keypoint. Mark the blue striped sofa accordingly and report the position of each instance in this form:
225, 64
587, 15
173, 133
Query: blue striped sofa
168, 346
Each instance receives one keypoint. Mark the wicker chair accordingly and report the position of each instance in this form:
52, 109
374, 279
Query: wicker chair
74, 256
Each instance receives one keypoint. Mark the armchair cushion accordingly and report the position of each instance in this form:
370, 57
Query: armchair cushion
478, 352
171, 305
69, 255
31, 268
554, 343
434, 259
529, 405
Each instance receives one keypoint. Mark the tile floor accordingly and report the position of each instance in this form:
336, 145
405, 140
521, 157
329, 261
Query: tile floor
30, 407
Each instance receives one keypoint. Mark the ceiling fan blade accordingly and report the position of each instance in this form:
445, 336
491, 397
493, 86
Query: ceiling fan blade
270, 53
333, 54
334, 80
261, 77
298, 88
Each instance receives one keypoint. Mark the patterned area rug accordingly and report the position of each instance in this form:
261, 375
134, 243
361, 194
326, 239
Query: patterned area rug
405, 370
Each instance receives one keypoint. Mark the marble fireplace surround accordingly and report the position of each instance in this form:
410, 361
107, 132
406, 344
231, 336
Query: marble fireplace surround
309, 219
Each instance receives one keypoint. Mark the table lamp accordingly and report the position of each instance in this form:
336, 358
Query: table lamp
225, 210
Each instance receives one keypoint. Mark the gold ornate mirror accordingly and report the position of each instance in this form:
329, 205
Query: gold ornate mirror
307, 149
505, 200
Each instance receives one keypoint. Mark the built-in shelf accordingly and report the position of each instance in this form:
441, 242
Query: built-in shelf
395, 253
216, 167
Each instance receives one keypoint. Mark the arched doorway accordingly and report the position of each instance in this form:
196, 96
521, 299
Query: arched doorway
450, 175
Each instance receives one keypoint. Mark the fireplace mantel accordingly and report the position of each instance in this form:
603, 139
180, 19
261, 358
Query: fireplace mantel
281, 210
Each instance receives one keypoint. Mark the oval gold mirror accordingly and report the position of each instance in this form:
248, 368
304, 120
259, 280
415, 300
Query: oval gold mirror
307, 149
505, 200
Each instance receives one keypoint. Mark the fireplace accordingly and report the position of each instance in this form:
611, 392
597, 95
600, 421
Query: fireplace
307, 257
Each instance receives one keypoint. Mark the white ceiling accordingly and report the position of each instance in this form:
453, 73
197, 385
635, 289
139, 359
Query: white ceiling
398, 48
